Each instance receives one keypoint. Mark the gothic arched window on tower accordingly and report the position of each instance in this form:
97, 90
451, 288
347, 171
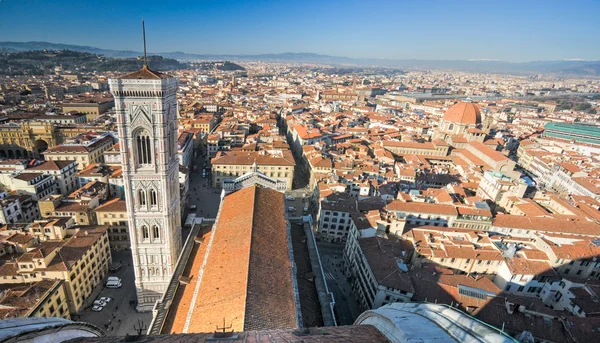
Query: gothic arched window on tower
143, 148
451, 127
141, 197
145, 232
171, 141
153, 198
156, 232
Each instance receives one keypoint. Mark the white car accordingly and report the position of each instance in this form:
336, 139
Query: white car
114, 284
291, 209
97, 308
290, 198
106, 299
100, 303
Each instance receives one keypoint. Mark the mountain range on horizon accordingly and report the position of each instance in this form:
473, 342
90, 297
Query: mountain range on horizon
559, 67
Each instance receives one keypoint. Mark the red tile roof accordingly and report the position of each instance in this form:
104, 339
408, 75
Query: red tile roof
247, 277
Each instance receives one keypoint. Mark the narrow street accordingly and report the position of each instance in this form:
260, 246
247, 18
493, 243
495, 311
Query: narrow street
201, 194
347, 308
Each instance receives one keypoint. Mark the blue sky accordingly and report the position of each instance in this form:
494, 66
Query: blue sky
508, 30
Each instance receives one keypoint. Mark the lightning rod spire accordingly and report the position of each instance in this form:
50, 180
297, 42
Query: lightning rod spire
144, 34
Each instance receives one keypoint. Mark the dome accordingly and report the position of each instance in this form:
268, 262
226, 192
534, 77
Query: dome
463, 113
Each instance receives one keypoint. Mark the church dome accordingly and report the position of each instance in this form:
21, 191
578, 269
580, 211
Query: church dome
463, 113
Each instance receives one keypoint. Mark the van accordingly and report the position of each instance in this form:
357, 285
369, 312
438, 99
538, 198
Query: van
114, 284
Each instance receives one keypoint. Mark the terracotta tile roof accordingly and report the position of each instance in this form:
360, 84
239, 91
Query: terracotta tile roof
382, 256
463, 113
547, 224
410, 145
247, 277
113, 205
489, 152
145, 73
28, 176
270, 297
422, 207
72, 251
521, 265
19, 299
51, 165
250, 157
305, 133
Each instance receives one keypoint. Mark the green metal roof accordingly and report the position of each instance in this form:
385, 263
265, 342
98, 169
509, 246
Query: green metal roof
578, 132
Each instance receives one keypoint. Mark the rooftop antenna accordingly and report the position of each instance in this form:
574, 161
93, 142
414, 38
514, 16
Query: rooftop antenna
144, 34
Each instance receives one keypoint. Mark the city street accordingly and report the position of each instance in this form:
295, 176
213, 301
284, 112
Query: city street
347, 308
206, 199
119, 317
298, 202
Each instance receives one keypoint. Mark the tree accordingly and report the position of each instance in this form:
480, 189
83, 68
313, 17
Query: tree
582, 107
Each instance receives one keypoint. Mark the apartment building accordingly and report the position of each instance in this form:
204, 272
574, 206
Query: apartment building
36, 185
92, 108
82, 149
568, 178
110, 174
335, 218
62, 172
113, 214
81, 259
423, 214
378, 267
435, 148
185, 148
11, 209
78, 205
229, 165
463, 250
44, 298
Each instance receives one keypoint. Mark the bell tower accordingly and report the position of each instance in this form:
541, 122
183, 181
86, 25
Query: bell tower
146, 106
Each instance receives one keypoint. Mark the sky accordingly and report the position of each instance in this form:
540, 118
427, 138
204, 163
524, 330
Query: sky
525, 30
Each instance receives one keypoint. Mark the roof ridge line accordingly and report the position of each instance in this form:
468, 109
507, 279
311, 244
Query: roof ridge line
254, 194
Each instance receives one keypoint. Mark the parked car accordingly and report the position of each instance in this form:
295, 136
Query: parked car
113, 278
291, 208
100, 303
106, 299
114, 284
97, 308
290, 198
114, 267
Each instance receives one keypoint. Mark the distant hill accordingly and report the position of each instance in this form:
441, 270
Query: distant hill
578, 68
44, 62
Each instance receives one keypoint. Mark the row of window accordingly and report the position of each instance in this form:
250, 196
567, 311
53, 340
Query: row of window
146, 232
150, 198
